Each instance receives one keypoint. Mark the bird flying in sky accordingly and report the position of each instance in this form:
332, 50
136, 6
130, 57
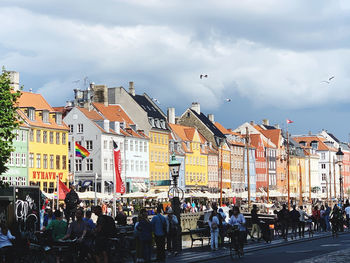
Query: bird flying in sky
228, 100
203, 76
329, 80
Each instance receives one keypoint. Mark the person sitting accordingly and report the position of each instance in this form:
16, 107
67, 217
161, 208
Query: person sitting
78, 228
58, 227
6, 239
48, 217
89, 223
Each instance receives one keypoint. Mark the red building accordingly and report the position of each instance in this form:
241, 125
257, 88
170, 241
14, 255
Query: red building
346, 171
260, 162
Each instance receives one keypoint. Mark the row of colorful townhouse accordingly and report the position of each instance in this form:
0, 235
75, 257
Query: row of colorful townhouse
211, 155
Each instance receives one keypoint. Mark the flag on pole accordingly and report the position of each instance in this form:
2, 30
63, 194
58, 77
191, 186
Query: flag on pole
80, 151
119, 185
63, 190
289, 121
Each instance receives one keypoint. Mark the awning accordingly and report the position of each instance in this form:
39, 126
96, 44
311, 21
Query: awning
86, 183
108, 183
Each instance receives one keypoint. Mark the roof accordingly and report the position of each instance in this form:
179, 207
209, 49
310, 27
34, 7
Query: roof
185, 133
273, 135
91, 114
321, 142
113, 113
151, 109
29, 99
254, 139
211, 126
333, 137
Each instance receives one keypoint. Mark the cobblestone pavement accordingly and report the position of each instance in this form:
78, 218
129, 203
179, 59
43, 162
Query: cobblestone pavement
340, 256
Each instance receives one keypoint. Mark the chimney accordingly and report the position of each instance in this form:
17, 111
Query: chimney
100, 94
252, 123
14, 80
171, 115
211, 117
196, 107
131, 88
266, 122
310, 133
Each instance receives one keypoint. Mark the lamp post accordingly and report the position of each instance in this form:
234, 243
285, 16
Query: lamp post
175, 193
340, 156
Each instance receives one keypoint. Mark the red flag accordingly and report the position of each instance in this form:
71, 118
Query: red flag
289, 121
119, 185
63, 190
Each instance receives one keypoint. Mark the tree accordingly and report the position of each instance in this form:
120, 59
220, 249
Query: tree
9, 120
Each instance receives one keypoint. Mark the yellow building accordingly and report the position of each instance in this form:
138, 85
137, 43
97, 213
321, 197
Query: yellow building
47, 142
159, 155
297, 175
196, 155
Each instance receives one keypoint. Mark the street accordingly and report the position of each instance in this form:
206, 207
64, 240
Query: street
304, 252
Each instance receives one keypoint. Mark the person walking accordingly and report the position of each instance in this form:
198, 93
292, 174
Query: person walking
322, 219
144, 229
326, 217
294, 216
71, 201
159, 227
214, 230
283, 217
347, 213
172, 232
302, 220
237, 219
255, 223
336, 217
316, 218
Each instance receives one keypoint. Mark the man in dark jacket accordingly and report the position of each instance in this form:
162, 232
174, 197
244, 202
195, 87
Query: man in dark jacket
71, 201
283, 217
294, 220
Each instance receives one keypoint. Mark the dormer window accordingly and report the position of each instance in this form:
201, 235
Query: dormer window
302, 143
45, 116
151, 121
314, 144
162, 124
157, 123
31, 114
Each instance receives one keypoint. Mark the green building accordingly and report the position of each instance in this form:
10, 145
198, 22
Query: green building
17, 173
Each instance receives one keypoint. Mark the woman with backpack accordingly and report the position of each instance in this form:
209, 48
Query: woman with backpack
237, 220
214, 230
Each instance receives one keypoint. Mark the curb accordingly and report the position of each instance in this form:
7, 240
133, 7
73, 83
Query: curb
268, 246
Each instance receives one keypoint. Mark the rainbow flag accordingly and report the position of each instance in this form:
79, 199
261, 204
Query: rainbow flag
80, 151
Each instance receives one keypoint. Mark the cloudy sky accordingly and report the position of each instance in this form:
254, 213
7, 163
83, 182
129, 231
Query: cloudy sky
270, 57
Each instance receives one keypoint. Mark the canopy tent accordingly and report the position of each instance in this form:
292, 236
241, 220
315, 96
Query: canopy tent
91, 195
136, 195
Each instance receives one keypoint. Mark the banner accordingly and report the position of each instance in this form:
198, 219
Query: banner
119, 185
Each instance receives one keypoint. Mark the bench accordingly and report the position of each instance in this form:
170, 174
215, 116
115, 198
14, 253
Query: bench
199, 234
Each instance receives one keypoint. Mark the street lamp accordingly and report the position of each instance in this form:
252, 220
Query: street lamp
175, 193
340, 156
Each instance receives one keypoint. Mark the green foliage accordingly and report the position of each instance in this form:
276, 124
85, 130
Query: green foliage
8, 119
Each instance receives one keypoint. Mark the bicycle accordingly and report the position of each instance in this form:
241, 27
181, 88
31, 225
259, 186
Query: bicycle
234, 233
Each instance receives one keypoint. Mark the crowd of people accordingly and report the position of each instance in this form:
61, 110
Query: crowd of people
93, 227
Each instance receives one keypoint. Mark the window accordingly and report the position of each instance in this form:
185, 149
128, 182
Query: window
137, 166
136, 146
24, 160
324, 177
104, 144
45, 161
51, 187
64, 138
69, 166
31, 135
141, 147
44, 136
24, 136
58, 160
31, 160
146, 166
145, 146
323, 166
80, 128
38, 160
105, 164
12, 158
89, 145
57, 138
51, 161
51, 137
126, 145
18, 159
132, 166
323, 156
111, 166
89, 166
151, 156
71, 128
17, 135
126, 165
78, 165
38, 136
131, 146
69, 148
141, 166
45, 187
64, 162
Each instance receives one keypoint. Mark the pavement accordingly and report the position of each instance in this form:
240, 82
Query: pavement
304, 250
